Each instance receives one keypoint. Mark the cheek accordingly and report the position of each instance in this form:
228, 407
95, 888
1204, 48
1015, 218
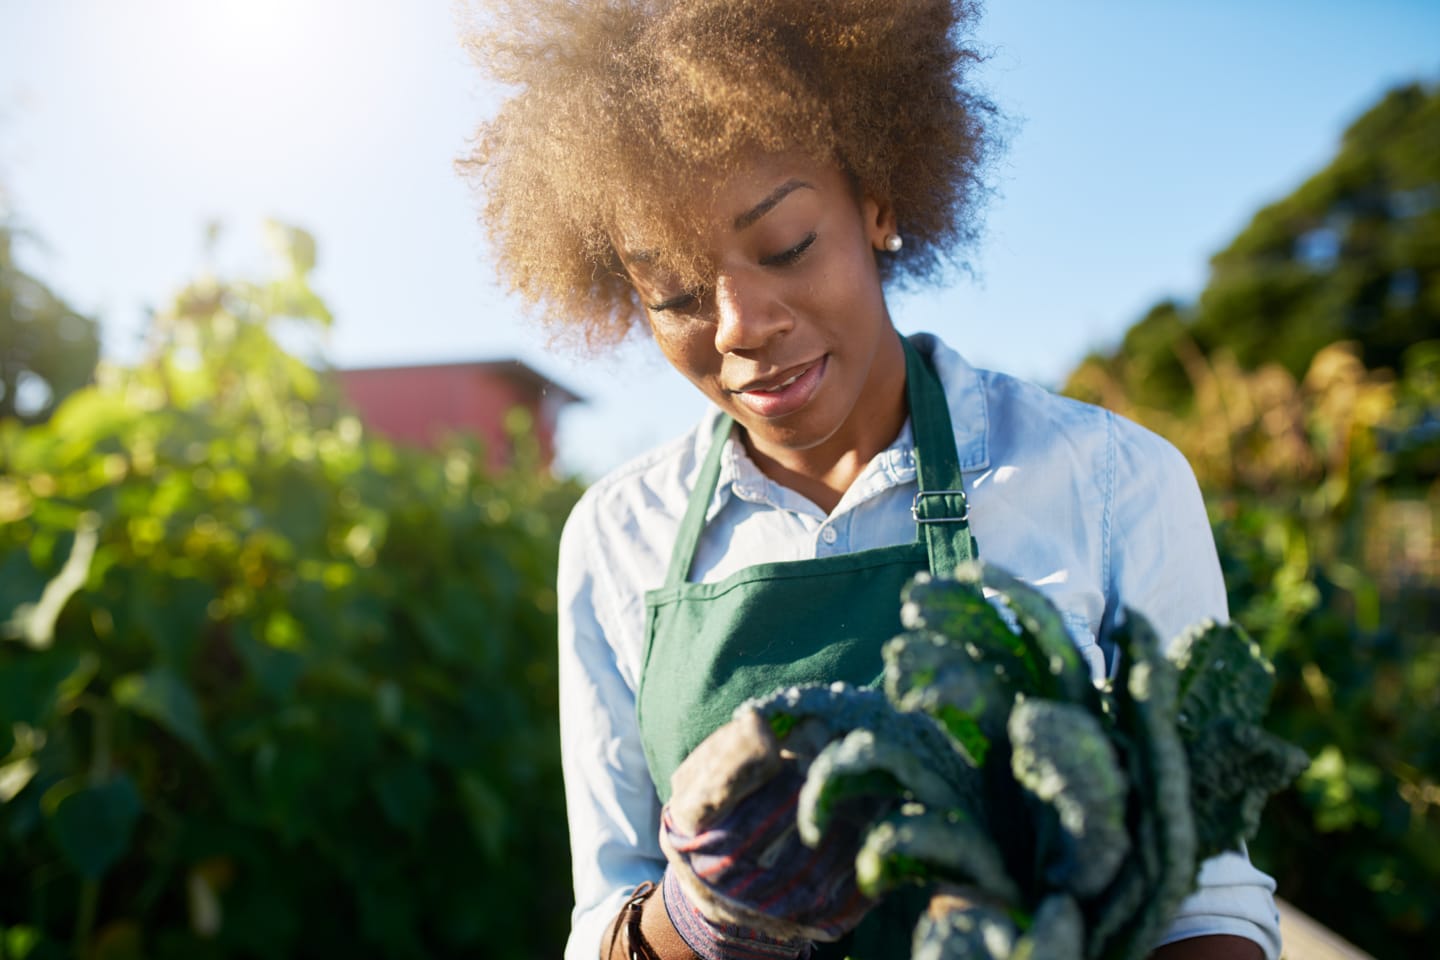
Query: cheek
850, 273
689, 349
844, 288
863, 278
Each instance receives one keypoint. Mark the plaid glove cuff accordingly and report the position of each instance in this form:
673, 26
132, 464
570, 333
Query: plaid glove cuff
722, 941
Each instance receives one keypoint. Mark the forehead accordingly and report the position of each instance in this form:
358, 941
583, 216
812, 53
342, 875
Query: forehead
765, 179
671, 223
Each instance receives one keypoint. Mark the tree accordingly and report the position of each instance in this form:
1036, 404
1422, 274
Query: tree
1352, 254
47, 350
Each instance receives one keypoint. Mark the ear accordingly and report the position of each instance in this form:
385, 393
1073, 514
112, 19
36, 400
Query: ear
879, 218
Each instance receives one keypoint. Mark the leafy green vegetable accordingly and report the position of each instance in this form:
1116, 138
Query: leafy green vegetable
1041, 627
1062, 757
1225, 684
1144, 690
1057, 933
1053, 817
1223, 676
839, 708
957, 612
1235, 767
921, 673
864, 762
919, 845
956, 929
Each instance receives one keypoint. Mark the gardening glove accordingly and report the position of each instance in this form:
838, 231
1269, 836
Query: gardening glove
740, 883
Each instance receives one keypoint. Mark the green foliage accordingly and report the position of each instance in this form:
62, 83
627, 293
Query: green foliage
47, 350
1309, 407
1325, 503
971, 706
270, 686
1358, 686
92, 823
1055, 663
1077, 833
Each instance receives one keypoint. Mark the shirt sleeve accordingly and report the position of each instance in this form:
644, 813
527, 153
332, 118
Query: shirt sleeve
611, 805
1163, 564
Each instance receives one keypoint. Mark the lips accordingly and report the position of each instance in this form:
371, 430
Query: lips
784, 394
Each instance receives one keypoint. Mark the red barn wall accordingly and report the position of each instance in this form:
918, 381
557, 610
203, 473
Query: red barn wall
420, 405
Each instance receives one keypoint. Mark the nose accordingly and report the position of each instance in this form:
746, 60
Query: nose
748, 314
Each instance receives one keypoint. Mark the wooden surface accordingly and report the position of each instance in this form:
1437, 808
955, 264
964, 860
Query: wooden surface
1305, 939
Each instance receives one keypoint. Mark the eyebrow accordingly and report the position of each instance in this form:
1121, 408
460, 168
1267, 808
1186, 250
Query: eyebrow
740, 222
764, 206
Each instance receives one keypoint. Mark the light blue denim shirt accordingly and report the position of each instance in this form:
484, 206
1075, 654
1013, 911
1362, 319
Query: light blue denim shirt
1093, 510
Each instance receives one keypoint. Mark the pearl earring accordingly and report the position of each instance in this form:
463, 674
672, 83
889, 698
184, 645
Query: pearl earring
893, 243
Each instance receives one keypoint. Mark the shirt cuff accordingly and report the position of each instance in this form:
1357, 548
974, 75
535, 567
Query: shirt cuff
1233, 899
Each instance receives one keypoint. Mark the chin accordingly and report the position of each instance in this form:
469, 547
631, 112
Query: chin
795, 437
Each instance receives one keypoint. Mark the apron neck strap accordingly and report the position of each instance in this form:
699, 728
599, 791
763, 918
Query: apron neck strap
940, 509
683, 556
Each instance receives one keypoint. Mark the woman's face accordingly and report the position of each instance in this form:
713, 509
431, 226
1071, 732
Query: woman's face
793, 339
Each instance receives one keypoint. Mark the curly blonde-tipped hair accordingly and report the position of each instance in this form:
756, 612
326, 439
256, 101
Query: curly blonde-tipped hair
618, 107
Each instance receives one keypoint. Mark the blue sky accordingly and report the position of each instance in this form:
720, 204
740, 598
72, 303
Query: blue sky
1143, 135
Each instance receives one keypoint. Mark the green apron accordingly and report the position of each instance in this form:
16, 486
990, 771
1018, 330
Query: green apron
711, 646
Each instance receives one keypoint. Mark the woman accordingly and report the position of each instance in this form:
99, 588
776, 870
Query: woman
744, 179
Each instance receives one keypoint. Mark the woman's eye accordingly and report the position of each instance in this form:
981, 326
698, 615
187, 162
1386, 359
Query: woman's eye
675, 304
786, 257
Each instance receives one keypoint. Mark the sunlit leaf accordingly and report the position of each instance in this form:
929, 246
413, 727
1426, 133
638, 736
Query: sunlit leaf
16, 776
20, 941
35, 623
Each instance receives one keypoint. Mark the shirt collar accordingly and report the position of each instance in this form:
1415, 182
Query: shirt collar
740, 477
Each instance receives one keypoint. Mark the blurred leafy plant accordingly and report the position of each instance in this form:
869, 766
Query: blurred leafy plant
270, 686
1304, 387
1324, 497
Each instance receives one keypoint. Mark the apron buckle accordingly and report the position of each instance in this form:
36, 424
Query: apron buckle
915, 506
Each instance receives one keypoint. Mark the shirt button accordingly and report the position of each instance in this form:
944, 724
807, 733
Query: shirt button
828, 534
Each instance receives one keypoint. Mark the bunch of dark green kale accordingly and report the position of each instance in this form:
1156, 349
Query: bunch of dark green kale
1058, 818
